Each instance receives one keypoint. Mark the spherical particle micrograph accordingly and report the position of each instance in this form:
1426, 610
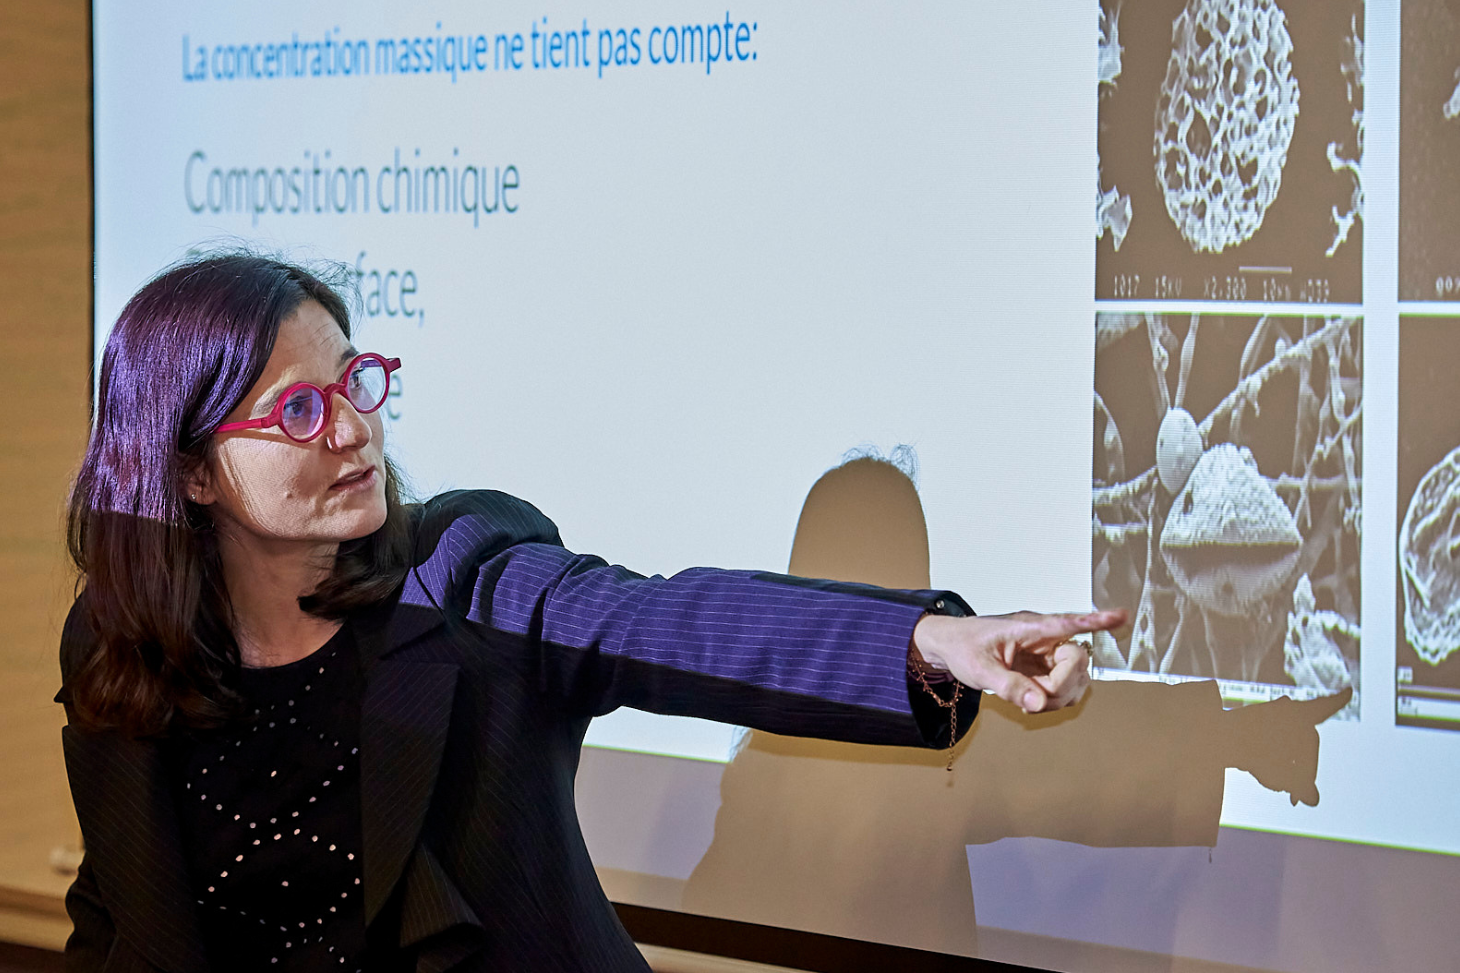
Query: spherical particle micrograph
1429, 562
1178, 447
1225, 119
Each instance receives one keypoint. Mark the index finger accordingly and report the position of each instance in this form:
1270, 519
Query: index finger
1053, 629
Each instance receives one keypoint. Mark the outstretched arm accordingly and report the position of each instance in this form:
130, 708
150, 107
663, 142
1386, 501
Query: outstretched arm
754, 648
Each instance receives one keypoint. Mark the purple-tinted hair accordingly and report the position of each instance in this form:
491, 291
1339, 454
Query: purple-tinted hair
182, 355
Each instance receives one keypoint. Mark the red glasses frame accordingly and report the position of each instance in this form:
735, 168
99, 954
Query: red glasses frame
328, 393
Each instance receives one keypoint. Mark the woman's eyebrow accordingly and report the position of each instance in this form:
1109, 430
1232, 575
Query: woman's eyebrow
266, 404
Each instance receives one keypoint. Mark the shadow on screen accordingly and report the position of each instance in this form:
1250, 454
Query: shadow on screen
869, 842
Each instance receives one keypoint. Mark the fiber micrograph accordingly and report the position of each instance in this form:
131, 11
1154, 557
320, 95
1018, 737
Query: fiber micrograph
1429, 151
1227, 497
1230, 151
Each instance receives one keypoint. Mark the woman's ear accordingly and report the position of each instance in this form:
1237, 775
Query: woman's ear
197, 485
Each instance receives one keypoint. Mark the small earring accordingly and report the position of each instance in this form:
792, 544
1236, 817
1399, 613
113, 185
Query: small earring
193, 497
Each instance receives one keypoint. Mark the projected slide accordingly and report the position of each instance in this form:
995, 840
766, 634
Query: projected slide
698, 281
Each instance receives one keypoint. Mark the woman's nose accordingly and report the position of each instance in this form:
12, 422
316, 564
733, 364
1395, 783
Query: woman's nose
348, 428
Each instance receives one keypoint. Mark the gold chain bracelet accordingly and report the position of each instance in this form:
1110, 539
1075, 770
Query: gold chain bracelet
951, 705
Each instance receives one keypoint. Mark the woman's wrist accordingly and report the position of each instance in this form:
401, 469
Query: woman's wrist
923, 657
925, 639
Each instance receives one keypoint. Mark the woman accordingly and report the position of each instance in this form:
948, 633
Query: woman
314, 728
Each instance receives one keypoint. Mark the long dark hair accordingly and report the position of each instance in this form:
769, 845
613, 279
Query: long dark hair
182, 355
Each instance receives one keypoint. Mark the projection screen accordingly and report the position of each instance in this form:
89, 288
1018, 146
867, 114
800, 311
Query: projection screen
659, 267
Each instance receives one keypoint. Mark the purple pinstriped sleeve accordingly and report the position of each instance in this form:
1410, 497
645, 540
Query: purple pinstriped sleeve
732, 625
788, 654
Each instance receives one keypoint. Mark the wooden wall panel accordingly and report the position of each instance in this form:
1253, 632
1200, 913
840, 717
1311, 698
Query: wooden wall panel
45, 346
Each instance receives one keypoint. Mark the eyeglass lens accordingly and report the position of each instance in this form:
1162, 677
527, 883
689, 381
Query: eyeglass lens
304, 410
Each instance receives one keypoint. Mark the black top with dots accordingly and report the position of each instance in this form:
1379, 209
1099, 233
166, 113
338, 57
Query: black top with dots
270, 817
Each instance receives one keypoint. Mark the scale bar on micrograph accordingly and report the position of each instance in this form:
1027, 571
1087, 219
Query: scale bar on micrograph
1433, 692
1265, 270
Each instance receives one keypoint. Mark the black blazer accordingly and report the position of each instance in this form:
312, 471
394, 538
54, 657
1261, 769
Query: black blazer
481, 674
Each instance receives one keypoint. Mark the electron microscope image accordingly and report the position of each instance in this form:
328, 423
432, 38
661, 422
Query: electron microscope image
1427, 643
1230, 151
1224, 120
1429, 147
1227, 499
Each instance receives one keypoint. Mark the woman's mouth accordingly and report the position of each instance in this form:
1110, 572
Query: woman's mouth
361, 480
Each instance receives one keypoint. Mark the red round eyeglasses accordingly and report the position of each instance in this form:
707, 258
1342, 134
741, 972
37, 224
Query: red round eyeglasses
304, 409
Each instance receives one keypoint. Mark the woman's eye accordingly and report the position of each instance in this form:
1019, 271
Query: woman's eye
296, 406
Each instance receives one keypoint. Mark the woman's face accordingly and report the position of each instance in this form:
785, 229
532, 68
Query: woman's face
263, 486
